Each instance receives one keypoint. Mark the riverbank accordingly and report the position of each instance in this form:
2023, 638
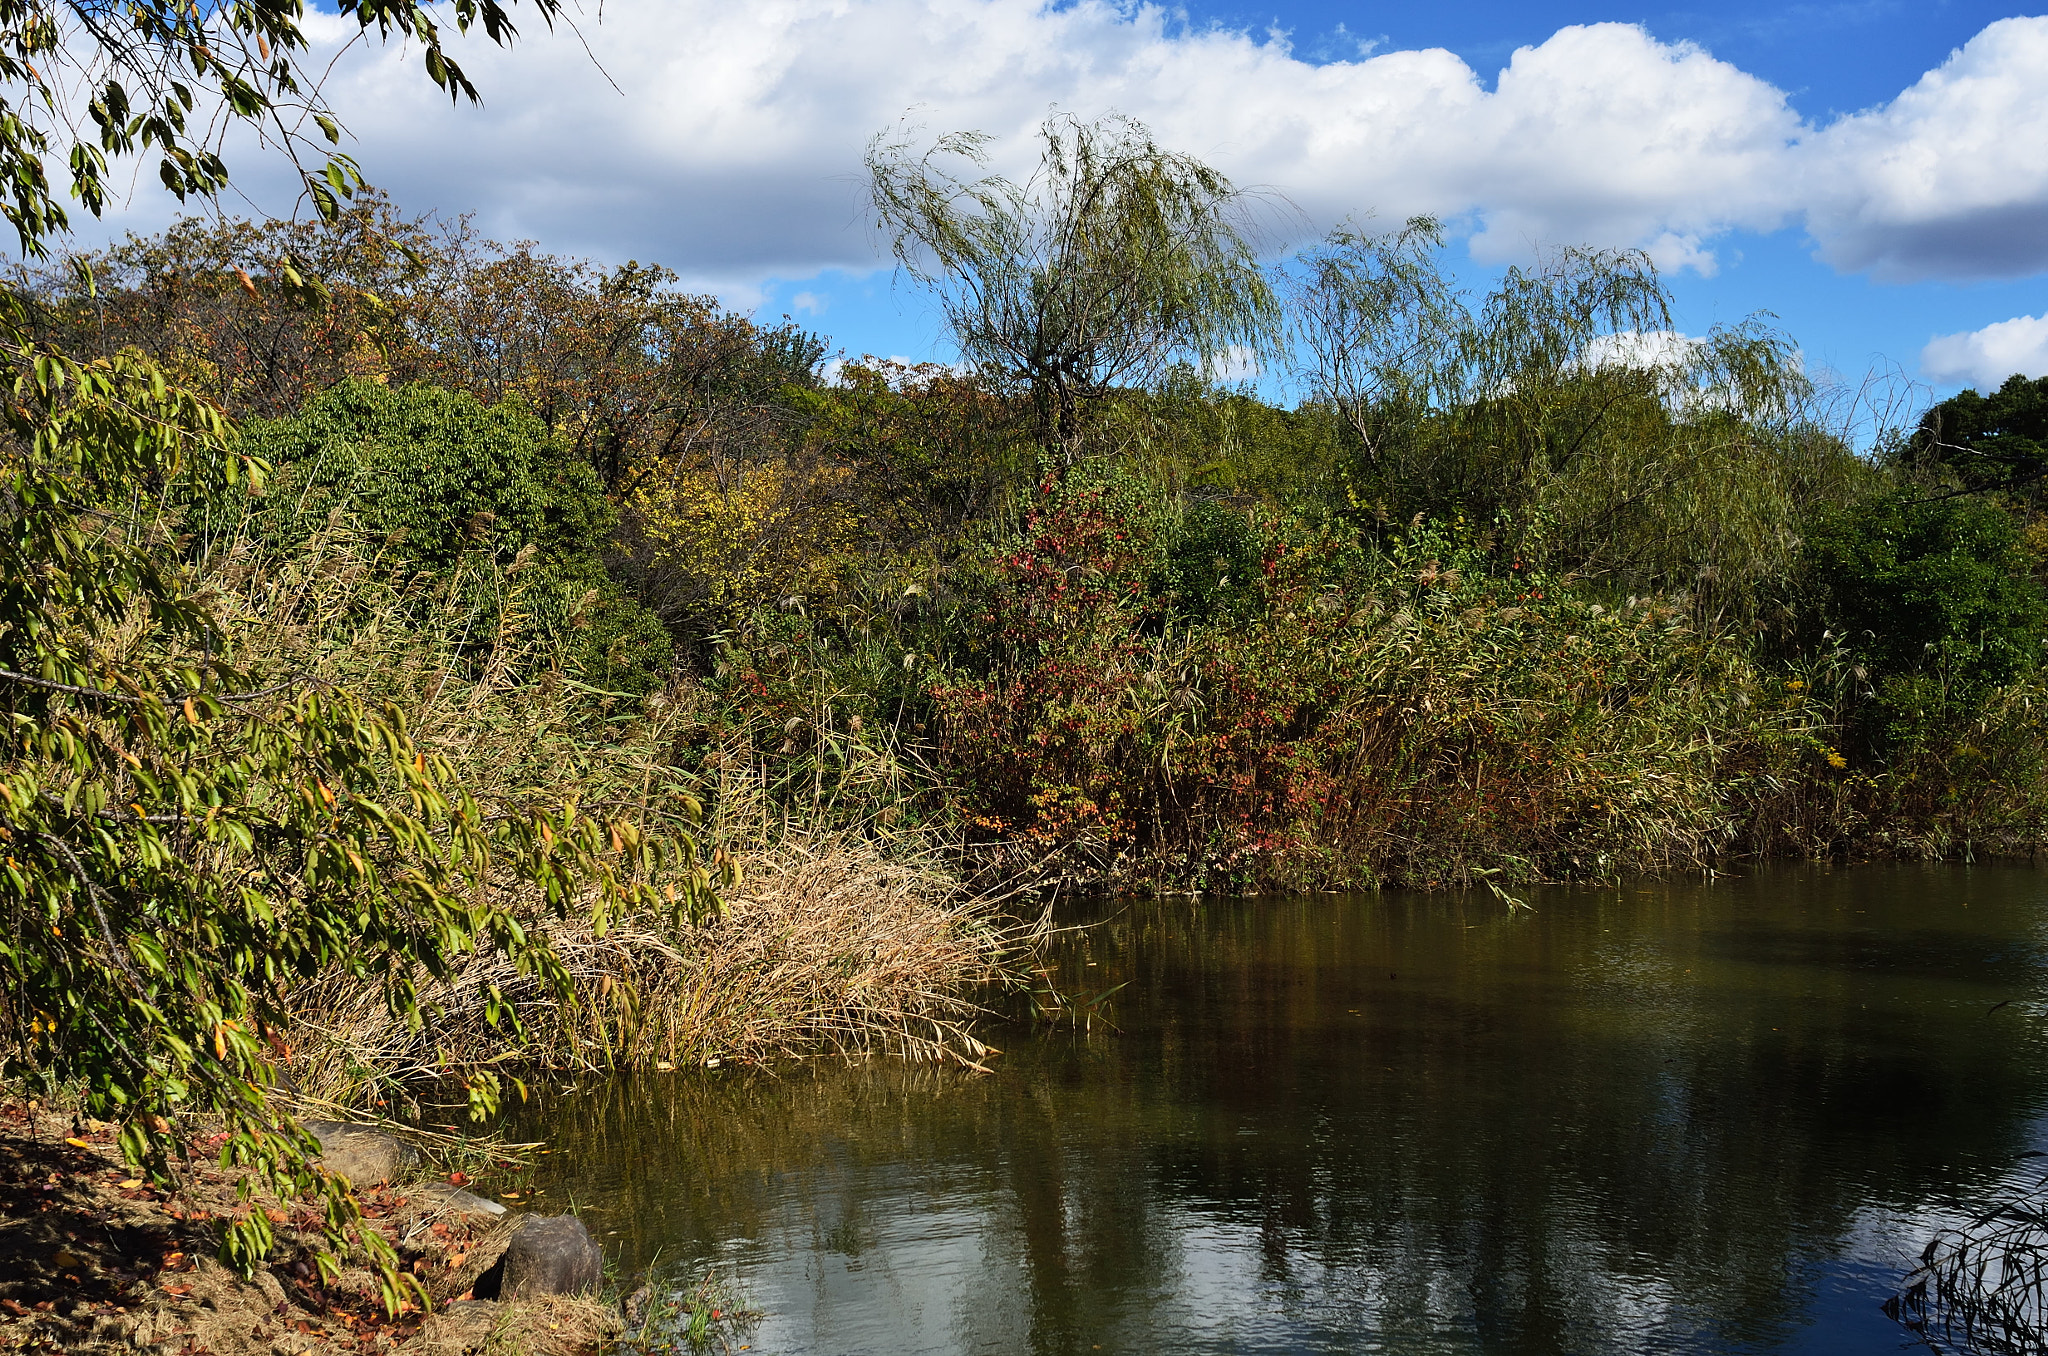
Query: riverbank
1418, 716
95, 1261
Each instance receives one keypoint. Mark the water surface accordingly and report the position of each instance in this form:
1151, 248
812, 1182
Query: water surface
1673, 1117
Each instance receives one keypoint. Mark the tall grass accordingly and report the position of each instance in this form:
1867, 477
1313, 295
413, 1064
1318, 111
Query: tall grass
833, 937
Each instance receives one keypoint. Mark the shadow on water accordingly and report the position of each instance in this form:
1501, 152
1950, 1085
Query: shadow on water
1671, 1117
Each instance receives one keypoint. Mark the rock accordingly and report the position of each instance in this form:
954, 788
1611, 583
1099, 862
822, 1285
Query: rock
362, 1153
551, 1255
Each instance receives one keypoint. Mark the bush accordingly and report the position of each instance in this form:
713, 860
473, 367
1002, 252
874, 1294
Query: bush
441, 478
1934, 599
1355, 718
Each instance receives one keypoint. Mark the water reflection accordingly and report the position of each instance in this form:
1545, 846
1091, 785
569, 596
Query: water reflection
1670, 1117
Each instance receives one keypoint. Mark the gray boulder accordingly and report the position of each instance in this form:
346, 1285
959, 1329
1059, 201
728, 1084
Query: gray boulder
362, 1153
551, 1255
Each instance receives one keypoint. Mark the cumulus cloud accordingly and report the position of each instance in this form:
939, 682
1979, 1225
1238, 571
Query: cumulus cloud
1641, 348
1985, 358
731, 146
1949, 180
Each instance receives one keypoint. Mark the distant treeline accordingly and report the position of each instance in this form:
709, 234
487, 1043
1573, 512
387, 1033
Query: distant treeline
1526, 586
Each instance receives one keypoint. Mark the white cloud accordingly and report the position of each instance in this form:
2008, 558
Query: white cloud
1641, 349
1236, 363
1950, 179
731, 148
1985, 358
809, 303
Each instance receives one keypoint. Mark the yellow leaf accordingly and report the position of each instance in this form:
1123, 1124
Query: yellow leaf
220, 1042
191, 712
77, 1143
131, 1184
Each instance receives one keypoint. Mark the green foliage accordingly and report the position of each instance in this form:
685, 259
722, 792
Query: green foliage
436, 473
1564, 409
1213, 561
1995, 442
442, 478
187, 837
931, 449
1192, 435
1934, 599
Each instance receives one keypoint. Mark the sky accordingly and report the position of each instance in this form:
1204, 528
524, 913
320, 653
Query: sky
1873, 173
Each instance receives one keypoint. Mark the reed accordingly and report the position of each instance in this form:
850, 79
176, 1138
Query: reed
839, 934
1983, 1286
826, 946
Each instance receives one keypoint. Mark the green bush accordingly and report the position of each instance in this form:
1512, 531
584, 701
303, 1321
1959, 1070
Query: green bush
443, 479
1994, 442
1213, 562
1934, 600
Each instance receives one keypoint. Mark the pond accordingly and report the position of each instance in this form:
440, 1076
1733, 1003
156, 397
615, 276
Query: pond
1671, 1117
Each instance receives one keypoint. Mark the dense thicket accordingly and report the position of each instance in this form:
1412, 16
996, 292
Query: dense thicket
1527, 584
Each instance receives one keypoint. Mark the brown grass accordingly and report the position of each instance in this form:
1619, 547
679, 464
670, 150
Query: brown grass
850, 940
827, 945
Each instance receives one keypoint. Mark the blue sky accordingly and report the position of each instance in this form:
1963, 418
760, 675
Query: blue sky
1831, 59
1874, 173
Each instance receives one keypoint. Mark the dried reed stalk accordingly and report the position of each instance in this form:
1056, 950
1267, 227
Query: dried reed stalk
827, 945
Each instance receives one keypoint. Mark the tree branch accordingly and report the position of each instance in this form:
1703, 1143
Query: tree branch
93, 895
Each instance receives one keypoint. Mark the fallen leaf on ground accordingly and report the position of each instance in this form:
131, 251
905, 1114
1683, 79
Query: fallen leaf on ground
76, 1143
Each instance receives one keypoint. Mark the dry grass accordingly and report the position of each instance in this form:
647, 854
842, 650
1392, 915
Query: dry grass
849, 940
827, 945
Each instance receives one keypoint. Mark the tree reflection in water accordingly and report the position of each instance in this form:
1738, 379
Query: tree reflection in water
1696, 1117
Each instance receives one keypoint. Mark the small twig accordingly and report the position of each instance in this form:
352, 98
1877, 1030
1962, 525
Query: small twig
12, 676
93, 895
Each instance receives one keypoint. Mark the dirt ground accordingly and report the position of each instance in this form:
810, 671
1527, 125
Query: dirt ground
94, 1261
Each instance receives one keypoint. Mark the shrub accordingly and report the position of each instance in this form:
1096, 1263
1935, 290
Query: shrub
443, 479
1934, 599
1362, 718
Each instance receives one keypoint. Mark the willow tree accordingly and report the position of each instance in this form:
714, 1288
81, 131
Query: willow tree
1379, 329
1564, 404
1114, 261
